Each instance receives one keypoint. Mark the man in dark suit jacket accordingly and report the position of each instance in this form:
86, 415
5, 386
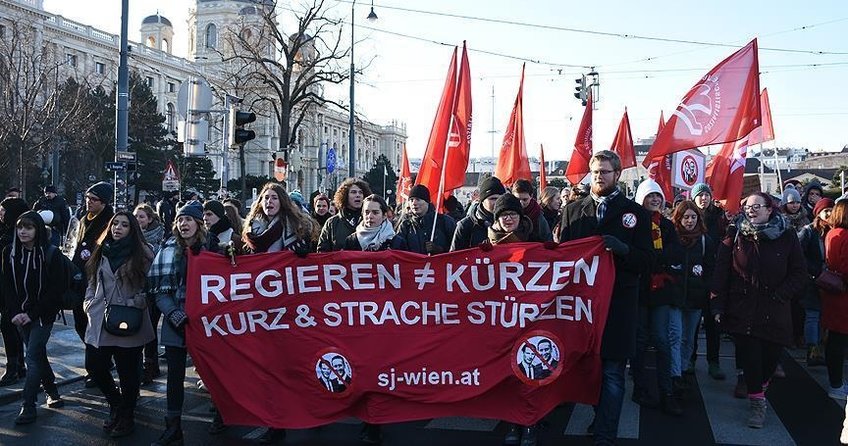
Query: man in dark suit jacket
544, 347
626, 229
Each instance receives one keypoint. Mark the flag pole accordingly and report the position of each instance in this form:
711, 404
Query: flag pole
442, 180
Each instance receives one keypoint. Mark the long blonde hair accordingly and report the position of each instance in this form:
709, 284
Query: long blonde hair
306, 228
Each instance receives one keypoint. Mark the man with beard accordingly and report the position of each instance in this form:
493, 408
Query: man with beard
626, 231
473, 229
416, 225
348, 200
92, 224
525, 192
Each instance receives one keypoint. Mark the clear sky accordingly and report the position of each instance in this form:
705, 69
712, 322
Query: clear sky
404, 81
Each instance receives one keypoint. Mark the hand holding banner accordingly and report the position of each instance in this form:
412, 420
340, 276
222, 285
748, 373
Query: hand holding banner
395, 336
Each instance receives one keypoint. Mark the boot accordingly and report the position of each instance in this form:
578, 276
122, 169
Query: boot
26, 416
371, 434
11, 375
124, 427
643, 398
173, 435
669, 405
758, 413
217, 425
272, 436
513, 435
110, 422
529, 436
741, 390
814, 356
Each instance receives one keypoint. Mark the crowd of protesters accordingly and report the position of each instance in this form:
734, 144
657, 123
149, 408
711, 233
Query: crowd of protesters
680, 269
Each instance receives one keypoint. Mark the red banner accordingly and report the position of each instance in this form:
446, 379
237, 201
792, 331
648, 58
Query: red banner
765, 132
724, 106
395, 336
404, 183
659, 169
578, 165
513, 162
622, 144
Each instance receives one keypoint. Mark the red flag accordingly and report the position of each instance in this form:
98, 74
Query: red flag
543, 175
404, 184
723, 106
513, 163
623, 143
659, 169
725, 174
450, 138
764, 132
578, 165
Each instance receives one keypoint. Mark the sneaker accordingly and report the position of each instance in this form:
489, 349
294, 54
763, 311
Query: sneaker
758, 413
54, 400
715, 372
839, 393
26, 416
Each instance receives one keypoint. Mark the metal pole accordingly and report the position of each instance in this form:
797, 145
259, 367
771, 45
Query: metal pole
225, 149
350, 132
121, 110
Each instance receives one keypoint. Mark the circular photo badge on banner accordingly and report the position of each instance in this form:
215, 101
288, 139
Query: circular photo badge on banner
333, 372
536, 358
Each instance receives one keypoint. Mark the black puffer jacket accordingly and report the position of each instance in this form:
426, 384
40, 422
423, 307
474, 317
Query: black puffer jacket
416, 231
812, 245
337, 229
472, 230
698, 267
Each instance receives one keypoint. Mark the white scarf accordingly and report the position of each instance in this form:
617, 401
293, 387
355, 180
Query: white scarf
371, 239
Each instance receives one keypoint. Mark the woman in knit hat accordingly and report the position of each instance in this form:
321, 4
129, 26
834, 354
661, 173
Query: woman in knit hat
510, 224
10, 209
792, 209
474, 229
218, 224
167, 282
812, 238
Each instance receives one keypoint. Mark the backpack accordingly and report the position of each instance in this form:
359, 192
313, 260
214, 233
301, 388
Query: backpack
72, 278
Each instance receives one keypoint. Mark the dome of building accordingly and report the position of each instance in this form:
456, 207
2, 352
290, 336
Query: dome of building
156, 18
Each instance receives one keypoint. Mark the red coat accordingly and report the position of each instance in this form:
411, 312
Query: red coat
835, 306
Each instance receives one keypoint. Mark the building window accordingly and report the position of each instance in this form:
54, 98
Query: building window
211, 36
99, 67
170, 117
149, 80
172, 87
71, 59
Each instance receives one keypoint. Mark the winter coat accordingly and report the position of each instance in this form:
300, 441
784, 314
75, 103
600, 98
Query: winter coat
523, 233
472, 230
755, 279
663, 285
805, 198
335, 232
396, 243
27, 277
541, 228
695, 287
154, 235
812, 245
631, 224
835, 306
715, 221
416, 231
110, 286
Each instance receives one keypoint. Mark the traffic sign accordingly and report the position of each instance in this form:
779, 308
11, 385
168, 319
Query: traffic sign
331, 160
116, 166
125, 156
171, 178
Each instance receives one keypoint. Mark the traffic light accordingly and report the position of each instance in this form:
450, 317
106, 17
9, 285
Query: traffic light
580, 91
236, 132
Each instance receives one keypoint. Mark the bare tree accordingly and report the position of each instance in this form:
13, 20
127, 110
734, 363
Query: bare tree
33, 108
284, 71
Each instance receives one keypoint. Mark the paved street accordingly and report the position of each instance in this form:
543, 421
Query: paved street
800, 413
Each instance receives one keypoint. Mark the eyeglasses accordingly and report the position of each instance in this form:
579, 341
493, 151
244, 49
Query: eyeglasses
601, 172
753, 207
91, 198
509, 215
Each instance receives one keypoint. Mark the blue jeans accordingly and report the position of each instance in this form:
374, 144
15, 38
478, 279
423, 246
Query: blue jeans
35, 336
811, 326
608, 410
691, 319
674, 331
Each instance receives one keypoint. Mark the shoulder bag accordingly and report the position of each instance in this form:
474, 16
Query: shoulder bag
830, 282
120, 320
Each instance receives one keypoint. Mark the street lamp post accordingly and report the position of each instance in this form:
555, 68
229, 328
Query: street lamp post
351, 144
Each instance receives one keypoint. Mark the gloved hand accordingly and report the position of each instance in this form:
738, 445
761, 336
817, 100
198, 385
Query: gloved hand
177, 318
486, 245
433, 248
616, 246
551, 245
301, 251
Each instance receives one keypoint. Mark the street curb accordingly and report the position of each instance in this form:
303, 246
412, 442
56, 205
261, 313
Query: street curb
16, 394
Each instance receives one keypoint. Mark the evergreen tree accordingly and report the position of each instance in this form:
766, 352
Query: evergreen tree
374, 177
